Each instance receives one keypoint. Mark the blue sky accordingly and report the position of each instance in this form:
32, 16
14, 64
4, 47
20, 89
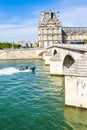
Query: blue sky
19, 18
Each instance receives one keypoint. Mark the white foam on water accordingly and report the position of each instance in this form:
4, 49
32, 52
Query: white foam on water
25, 70
11, 70
8, 71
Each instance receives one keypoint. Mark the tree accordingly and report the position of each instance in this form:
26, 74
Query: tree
85, 41
5, 45
37, 44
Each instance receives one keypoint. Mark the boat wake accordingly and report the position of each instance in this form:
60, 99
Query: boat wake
11, 70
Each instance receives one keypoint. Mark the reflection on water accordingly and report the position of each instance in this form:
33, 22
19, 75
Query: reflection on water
57, 80
76, 118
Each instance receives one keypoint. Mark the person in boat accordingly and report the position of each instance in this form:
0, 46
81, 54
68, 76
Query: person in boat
27, 67
21, 68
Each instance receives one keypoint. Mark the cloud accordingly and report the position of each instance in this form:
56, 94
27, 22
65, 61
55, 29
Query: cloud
75, 16
19, 30
72, 13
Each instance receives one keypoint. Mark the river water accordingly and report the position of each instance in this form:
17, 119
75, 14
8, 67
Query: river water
35, 100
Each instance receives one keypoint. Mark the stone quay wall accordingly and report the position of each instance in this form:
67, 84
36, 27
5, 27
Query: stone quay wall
19, 54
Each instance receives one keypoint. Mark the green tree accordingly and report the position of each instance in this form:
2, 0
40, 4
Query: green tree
5, 45
85, 41
37, 44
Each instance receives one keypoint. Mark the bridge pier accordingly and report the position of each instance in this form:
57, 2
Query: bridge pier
76, 84
56, 68
76, 91
47, 60
47, 56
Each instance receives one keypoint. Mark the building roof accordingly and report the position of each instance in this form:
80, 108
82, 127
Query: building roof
75, 30
49, 18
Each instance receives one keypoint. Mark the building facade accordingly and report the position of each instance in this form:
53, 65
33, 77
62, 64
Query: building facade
51, 31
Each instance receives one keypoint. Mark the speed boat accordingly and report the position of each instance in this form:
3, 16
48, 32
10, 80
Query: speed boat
27, 68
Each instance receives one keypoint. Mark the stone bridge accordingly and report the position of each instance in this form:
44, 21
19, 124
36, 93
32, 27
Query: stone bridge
70, 61
61, 57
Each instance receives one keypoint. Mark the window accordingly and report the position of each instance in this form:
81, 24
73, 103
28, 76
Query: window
42, 31
47, 30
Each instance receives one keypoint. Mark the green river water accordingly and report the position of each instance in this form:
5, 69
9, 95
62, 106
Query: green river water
35, 100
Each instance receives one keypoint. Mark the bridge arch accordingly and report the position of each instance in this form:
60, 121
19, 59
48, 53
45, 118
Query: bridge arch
68, 61
41, 53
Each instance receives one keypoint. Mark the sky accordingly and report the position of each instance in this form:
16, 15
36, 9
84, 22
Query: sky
19, 19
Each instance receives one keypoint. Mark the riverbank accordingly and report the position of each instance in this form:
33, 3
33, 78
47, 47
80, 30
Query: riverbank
21, 54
